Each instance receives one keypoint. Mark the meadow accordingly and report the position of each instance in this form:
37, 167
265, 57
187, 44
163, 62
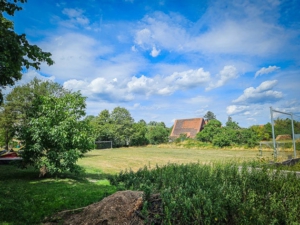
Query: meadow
115, 160
196, 186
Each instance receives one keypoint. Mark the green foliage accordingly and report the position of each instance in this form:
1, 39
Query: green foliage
222, 138
19, 102
219, 193
229, 135
116, 126
16, 52
210, 116
138, 137
157, 134
284, 126
263, 132
122, 129
55, 136
7, 125
212, 128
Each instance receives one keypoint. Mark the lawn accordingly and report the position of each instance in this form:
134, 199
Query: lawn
116, 160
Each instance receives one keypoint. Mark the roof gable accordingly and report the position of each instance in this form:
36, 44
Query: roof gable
190, 127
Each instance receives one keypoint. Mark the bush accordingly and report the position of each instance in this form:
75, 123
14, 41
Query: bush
219, 193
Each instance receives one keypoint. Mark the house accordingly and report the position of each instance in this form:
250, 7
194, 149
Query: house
190, 127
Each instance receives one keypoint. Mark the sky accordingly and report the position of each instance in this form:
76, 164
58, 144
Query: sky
171, 59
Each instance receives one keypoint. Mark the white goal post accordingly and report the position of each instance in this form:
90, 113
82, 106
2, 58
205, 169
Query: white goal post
273, 132
99, 142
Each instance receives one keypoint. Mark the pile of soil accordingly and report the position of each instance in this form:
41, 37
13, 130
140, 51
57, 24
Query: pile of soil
283, 137
123, 207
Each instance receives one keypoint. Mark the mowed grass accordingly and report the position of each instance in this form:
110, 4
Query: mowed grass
115, 160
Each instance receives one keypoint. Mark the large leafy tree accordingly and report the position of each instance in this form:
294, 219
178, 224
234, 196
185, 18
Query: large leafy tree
212, 128
7, 125
55, 136
15, 50
103, 126
157, 133
138, 137
122, 126
18, 103
20, 99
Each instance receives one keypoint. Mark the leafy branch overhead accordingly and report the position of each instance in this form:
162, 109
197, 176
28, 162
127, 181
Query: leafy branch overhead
15, 50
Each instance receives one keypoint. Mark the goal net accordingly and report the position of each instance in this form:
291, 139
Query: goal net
283, 135
103, 144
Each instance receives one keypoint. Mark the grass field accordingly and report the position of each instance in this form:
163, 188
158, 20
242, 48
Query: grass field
27, 199
116, 160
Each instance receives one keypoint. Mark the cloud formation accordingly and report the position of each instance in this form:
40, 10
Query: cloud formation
267, 70
123, 91
76, 18
236, 109
261, 94
226, 74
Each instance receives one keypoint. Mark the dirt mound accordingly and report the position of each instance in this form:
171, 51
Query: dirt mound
119, 208
283, 137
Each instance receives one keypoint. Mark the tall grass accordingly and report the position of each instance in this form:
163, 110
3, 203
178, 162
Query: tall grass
218, 193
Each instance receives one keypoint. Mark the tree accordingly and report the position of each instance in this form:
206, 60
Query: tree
7, 125
157, 134
232, 124
55, 136
210, 116
212, 128
21, 97
103, 126
15, 50
122, 126
14, 110
138, 137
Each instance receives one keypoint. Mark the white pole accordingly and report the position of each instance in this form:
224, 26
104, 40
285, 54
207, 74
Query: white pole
294, 144
273, 133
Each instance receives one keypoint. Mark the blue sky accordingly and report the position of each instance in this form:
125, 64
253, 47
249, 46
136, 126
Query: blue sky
169, 59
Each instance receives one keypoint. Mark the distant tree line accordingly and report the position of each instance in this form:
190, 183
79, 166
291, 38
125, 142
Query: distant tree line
119, 127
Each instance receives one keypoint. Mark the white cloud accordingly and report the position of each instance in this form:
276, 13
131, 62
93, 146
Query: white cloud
188, 79
141, 85
226, 74
261, 94
154, 53
243, 30
99, 88
143, 37
133, 48
76, 17
72, 12
267, 70
235, 109
75, 55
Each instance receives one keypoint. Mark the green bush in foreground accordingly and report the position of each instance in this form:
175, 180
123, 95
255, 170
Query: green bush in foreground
218, 194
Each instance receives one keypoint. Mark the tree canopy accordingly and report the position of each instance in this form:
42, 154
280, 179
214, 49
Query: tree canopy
55, 136
210, 116
15, 50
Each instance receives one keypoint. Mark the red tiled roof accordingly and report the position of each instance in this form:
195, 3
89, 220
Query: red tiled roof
190, 127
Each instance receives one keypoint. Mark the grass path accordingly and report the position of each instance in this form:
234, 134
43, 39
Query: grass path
116, 160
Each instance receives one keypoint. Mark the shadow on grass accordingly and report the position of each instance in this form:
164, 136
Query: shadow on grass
27, 199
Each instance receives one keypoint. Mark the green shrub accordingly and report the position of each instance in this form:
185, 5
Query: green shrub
219, 193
